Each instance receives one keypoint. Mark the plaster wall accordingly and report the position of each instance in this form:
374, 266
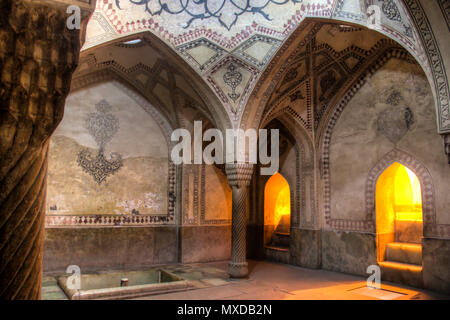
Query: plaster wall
367, 130
359, 141
141, 182
109, 247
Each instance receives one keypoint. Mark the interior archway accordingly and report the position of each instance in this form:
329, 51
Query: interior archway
399, 221
277, 213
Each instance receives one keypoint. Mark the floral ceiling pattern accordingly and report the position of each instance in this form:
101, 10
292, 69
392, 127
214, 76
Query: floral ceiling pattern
230, 42
226, 12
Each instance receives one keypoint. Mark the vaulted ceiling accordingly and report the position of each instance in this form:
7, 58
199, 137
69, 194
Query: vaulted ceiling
230, 44
317, 71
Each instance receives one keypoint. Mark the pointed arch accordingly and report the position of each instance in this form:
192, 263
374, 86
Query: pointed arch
426, 185
217, 114
303, 192
277, 202
428, 57
103, 76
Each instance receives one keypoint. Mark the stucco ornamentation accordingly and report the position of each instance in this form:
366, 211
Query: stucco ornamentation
391, 11
102, 126
394, 122
394, 98
232, 78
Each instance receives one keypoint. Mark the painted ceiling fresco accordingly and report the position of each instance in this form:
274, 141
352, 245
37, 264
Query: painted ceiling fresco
230, 42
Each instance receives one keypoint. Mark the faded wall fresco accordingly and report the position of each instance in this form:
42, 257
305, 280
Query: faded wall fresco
108, 156
393, 109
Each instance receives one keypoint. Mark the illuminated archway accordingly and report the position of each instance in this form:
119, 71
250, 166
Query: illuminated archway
277, 205
398, 207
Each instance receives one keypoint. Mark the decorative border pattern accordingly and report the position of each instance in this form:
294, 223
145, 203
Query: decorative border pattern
304, 153
114, 219
240, 51
311, 10
436, 63
188, 171
100, 220
350, 16
109, 31
183, 50
445, 8
196, 10
272, 110
332, 61
412, 9
280, 74
344, 224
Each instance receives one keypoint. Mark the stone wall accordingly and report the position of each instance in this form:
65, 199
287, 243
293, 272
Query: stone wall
394, 109
95, 215
134, 178
436, 264
109, 247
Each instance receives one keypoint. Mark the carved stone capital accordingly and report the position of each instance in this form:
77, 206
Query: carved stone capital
239, 174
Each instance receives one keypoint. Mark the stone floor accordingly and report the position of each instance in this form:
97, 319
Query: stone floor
269, 280
272, 281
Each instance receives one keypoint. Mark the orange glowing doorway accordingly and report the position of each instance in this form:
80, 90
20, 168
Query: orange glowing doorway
398, 208
277, 207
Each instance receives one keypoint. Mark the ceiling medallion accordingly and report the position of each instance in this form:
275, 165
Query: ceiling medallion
233, 78
226, 12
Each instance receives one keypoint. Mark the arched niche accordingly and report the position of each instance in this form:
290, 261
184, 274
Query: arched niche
131, 185
398, 206
277, 204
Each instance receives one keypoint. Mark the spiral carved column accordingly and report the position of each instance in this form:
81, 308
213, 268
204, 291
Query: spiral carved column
239, 177
38, 55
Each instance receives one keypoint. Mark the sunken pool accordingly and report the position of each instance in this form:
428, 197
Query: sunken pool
124, 285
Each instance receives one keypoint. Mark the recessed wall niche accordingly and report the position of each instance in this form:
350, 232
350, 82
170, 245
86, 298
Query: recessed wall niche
107, 157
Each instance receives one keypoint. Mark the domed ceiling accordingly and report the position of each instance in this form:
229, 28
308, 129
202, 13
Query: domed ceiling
230, 42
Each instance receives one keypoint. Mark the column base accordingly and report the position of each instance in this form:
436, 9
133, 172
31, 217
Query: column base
238, 269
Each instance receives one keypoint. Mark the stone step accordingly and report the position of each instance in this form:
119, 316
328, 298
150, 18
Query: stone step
53, 292
280, 239
277, 253
403, 273
410, 253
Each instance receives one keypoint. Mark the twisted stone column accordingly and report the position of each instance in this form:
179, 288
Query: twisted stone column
239, 177
38, 55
